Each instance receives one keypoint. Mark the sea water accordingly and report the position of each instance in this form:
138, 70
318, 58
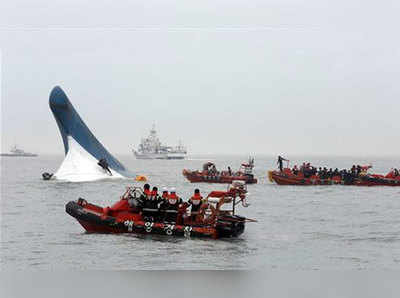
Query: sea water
298, 228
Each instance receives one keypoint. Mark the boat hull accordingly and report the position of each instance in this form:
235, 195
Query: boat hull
196, 177
150, 156
18, 155
93, 220
281, 178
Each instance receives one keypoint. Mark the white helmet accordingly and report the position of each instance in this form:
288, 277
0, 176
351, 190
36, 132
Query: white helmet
172, 189
164, 189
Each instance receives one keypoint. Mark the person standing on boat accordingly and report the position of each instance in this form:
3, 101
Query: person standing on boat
280, 162
171, 206
213, 170
195, 202
164, 196
295, 170
152, 204
146, 191
145, 198
145, 194
207, 166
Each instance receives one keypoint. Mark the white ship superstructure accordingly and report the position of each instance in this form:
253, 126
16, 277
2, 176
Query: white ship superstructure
151, 148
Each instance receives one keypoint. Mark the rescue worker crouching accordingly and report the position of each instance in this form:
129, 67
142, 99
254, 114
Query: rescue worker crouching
207, 213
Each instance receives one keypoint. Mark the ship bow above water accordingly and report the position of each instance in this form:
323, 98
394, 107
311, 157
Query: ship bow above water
82, 149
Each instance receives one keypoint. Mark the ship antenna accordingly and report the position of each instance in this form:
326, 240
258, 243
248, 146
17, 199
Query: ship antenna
153, 128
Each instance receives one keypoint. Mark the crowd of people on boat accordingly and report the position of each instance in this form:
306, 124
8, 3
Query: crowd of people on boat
209, 168
166, 206
394, 173
307, 170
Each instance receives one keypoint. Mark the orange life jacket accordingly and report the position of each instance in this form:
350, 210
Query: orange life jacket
196, 199
173, 196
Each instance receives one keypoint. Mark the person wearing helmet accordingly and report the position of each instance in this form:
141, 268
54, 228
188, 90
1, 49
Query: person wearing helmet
195, 202
164, 201
146, 190
145, 198
151, 209
171, 206
164, 196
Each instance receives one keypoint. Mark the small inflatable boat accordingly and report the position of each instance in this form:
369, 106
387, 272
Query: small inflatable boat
125, 216
211, 175
197, 177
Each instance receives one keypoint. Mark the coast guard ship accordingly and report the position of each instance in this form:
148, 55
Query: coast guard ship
18, 152
151, 148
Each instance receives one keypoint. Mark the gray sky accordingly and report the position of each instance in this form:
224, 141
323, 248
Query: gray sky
263, 77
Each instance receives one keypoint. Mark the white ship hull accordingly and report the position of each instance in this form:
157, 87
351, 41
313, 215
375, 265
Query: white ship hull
170, 155
176, 155
19, 155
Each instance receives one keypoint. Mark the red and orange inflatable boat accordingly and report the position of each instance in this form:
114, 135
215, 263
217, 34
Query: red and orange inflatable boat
213, 220
211, 175
286, 177
197, 177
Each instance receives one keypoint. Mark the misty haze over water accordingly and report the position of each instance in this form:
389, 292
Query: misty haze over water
266, 77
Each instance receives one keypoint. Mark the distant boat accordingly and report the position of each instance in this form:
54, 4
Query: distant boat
151, 148
18, 152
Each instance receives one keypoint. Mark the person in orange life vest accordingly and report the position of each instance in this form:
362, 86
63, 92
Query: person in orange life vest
154, 194
164, 196
295, 170
146, 202
163, 201
154, 201
195, 202
171, 206
146, 190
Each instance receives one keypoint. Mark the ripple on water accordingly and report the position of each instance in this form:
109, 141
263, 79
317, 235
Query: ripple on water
375, 239
350, 259
67, 243
38, 252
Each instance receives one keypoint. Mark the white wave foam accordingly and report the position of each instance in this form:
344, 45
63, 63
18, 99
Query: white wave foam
81, 166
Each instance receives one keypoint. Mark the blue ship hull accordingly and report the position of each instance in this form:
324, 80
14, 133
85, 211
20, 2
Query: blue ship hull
70, 124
